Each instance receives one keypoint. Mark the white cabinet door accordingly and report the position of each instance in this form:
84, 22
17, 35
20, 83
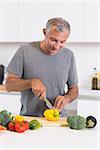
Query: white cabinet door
9, 21
23, 21
10, 102
34, 15
91, 22
88, 107
98, 23
1, 20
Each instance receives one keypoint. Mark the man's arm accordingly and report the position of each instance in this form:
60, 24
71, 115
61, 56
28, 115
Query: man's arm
61, 101
14, 83
72, 93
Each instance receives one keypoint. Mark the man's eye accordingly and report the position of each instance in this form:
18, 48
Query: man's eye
53, 40
62, 42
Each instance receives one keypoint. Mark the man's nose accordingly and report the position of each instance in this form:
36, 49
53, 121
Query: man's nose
57, 46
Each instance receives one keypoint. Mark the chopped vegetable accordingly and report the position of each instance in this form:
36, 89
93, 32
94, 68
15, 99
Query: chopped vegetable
91, 122
76, 122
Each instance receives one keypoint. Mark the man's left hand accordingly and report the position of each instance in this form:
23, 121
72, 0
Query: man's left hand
60, 102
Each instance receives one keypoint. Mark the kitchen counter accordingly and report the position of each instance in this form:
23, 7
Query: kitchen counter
4, 91
52, 137
86, 91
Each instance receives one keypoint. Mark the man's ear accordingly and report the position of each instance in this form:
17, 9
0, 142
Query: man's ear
44, 31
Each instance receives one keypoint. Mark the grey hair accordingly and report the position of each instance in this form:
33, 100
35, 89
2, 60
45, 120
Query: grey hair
60, 24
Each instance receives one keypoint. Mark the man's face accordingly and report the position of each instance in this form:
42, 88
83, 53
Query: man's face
55, 40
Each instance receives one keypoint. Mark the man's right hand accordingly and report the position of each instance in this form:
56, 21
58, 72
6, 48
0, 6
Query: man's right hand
38, 88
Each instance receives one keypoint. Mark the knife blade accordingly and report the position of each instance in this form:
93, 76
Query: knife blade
48, 103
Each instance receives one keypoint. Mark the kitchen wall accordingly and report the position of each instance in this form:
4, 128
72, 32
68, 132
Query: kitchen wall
87, 56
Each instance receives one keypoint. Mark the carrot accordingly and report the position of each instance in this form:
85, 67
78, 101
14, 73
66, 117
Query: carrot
2, 128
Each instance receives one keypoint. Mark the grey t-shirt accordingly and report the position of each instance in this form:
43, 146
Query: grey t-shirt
54, 71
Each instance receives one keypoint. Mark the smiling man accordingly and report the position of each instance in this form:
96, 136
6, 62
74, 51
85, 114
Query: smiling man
42, 69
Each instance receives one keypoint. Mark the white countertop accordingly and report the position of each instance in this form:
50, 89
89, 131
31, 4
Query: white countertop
52, 137
89, 92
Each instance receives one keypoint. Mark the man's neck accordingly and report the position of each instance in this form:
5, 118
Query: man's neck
42, 46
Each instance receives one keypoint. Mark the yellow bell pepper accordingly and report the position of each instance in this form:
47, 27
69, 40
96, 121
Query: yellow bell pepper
19, 118
52, 114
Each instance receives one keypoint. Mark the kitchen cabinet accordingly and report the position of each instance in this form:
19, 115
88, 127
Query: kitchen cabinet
10, 102
1, 19
23, 21
83, 17
91, 18
98, 20
33, 17
9, 21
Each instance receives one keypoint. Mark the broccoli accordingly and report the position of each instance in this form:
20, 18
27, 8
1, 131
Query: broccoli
76, 122
5, 118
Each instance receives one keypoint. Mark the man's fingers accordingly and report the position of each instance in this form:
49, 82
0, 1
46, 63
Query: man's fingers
37, 92
43, 95
60, 103
57, 103
38, 88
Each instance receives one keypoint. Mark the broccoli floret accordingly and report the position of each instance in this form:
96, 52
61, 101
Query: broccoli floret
76, 122
5, 117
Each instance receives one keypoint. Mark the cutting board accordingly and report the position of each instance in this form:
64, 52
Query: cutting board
45, 123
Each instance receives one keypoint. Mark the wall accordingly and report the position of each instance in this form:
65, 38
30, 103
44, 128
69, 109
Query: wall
87, 56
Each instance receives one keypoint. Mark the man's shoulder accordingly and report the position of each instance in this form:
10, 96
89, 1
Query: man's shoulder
68, 51
27, 46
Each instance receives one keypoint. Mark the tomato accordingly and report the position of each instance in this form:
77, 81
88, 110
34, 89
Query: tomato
26, 124
20, 127
11, 126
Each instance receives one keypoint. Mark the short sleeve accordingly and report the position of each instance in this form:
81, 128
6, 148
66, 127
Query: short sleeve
72, 78
16, 64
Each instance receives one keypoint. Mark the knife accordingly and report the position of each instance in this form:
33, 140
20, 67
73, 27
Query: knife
48, 103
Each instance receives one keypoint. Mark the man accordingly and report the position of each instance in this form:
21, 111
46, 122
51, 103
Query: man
41, 69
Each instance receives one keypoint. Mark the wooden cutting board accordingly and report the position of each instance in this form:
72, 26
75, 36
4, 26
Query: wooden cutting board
61, 122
